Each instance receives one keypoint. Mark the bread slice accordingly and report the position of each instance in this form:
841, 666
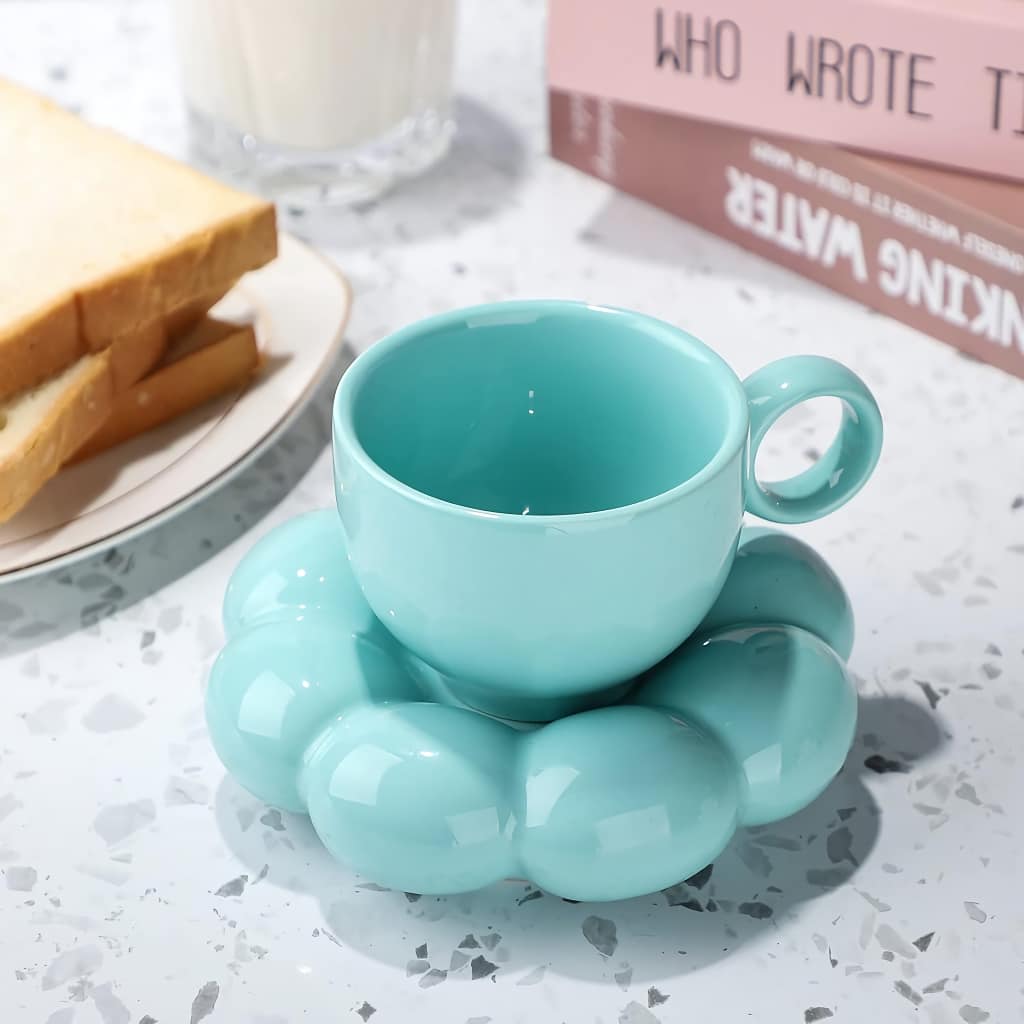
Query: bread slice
210, 360
41, 428
100, 236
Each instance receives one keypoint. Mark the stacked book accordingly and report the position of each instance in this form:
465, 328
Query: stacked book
875, 146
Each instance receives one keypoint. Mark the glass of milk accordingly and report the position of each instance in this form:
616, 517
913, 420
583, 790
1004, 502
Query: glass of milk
317, 101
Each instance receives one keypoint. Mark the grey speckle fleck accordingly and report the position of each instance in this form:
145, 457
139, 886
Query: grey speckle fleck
838, 846
907, 992
974, 912
813, 1013
272, 819
882, 765
490, 940
928, 584
891, 939
146, 640
118, 821
781, 842
469, 942
880, 905
181, 792
967, 792
623, 978
928, 690
49, 718
234, 887
973, 1014
635, 1013
990, 671
146, 1019
935, 986
534, 977
755, 859
65, 1015
924, 942
699, 880
169, 619
8, 804
77, 962
656, 998
21, 878
756, 909
414, 967
109, 1006
480, 967
601, 934
432, 978
827, 878
421, 951
204, 1002
676, 894
112, 713
366, 1011
458, 960
534, 894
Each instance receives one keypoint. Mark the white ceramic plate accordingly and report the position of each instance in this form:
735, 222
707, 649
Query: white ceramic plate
300, 305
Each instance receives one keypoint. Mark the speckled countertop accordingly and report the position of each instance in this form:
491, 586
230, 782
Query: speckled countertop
140, 885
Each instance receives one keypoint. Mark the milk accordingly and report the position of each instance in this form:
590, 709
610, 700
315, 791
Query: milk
316, 74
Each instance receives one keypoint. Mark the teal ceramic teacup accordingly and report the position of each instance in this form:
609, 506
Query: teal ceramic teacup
543, 499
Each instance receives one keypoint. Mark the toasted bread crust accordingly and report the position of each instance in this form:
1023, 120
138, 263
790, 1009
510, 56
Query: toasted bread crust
224, 361
75, 414
137, 235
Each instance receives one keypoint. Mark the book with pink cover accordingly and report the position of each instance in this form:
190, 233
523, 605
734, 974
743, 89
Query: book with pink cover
939, 250
940, 81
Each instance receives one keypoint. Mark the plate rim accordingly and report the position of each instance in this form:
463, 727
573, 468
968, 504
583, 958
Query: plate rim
197, 494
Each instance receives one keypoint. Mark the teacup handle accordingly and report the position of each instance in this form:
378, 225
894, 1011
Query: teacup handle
843, 469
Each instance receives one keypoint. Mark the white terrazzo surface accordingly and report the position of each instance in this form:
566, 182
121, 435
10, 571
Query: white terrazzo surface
138, 884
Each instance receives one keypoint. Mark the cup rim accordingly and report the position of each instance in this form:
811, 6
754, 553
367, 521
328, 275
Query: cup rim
525, 311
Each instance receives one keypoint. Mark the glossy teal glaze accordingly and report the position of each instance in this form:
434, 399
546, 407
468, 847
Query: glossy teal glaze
543, 499
776, 697
778, 578
276, 685
850, 459
301, 566
304, 646
621, 801
313, 707
418, 797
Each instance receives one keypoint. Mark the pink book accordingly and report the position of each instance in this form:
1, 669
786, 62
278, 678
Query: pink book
940, 250
940, 81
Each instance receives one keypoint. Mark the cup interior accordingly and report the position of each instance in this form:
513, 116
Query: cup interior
543, 408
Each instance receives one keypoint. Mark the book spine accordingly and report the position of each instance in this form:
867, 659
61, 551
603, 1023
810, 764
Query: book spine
846, 221
943, 85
